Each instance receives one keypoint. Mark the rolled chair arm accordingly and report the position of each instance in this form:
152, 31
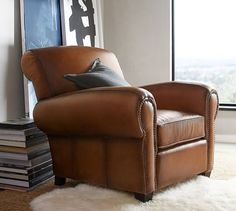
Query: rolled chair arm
189, 97
108, 111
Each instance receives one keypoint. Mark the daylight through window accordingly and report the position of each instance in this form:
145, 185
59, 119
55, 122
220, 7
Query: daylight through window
205, 44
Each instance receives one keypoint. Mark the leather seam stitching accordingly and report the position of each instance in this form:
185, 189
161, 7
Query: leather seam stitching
144, 144
180, 142
181, 120
207, 113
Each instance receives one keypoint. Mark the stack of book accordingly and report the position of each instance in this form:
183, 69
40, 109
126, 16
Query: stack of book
25, 158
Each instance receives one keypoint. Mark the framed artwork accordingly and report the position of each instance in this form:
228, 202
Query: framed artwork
40, 27
81, 22
46, 23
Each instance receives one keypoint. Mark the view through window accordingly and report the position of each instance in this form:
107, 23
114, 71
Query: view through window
205, 44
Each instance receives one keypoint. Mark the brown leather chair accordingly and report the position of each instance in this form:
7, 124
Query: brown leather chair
132, 139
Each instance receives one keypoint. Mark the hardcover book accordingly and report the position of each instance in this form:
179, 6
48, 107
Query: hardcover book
26, 184
21, 123
9, 175
25, 170
17, 137
24, 144
24, 189
22, 132
24, 154
28, 150
4, 162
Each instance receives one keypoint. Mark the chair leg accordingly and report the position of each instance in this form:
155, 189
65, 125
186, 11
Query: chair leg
59, 180
206, 174
143, 197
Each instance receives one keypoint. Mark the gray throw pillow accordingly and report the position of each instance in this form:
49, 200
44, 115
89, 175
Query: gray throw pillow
97, 76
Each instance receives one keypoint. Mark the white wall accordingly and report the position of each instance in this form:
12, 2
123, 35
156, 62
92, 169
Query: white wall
11, 86
139, 33
226, 126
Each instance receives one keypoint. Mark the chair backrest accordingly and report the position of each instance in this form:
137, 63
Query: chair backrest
46, 67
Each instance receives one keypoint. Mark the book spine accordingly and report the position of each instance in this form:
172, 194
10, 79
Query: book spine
13, 170
40, 178
33, 155
13, 137
23, 156
26, 184
5, 174
40, 172
26, 163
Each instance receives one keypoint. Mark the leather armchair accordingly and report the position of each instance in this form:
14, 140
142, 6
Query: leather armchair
133, 139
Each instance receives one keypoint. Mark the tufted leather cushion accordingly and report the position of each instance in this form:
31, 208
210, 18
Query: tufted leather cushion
176, 127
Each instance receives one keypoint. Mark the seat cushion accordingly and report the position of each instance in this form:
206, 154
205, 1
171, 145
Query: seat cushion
176, 127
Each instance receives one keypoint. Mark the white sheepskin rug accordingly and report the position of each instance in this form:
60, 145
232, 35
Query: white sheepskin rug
200, 194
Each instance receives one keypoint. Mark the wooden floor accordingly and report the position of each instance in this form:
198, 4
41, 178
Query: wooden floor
224, 168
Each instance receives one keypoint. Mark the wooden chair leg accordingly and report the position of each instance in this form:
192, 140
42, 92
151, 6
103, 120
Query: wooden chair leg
206, 174
59, 180
143, 197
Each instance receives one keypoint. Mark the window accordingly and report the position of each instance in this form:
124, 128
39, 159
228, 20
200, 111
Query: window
204, 36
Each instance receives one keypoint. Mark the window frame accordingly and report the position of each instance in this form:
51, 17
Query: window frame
222, 106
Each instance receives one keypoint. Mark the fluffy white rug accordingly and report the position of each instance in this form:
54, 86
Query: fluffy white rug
198, 194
